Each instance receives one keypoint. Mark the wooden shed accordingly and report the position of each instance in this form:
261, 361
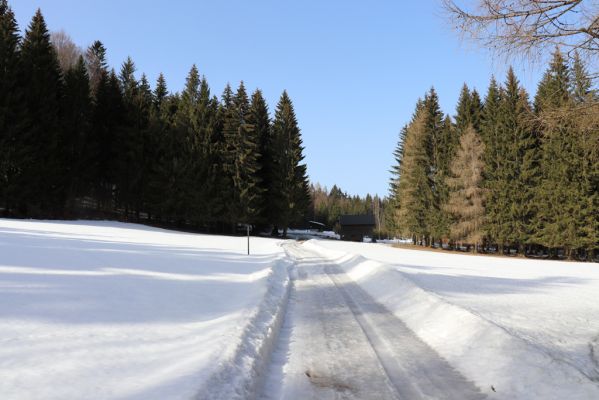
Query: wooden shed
355, 227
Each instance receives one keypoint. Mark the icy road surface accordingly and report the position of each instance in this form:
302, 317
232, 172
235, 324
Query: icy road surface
338, 343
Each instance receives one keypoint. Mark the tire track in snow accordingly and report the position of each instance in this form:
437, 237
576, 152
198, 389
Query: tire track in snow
338, 343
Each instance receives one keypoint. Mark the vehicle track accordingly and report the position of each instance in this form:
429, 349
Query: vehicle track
338, 343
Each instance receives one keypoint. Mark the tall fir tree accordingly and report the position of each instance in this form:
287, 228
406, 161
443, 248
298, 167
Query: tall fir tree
76, 120
440, 142
95, 60
415, 193
259, 119
39, 148
241, 161
13, 113
494, 142
519, 165
564, 211
391, 217
290, 181
103, 146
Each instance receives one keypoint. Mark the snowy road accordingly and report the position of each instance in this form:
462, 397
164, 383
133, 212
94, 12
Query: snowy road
338, 343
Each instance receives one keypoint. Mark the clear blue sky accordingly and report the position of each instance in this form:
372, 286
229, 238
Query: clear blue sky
354, 69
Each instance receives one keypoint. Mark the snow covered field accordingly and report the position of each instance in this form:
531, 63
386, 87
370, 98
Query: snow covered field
103, 310
528, 328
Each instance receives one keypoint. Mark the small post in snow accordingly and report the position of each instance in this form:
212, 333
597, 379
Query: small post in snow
248, 230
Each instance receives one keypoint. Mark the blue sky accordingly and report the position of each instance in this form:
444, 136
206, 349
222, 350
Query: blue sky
354, 69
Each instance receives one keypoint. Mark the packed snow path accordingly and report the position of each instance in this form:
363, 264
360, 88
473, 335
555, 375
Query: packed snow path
338, 343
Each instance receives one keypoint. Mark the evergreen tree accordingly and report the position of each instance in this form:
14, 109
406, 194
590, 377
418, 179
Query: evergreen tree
564, 215
241, 161
259, 119
160, 92
466, 196
206, 158
76, 118
181, 166
416, 197
518, 166
13, 117
493, 149
581, 82
39, 152
394, 194
290, 181
103, 150
95, 59
440, 143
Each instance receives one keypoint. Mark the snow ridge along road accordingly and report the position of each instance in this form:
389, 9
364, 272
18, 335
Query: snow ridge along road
338, 343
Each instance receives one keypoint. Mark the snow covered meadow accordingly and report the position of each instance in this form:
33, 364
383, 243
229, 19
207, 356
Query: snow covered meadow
105, 310
528, 328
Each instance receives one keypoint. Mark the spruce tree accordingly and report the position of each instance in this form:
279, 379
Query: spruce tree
492, 156
518, 167
13, 117
95, 59
394, 194
207, 204
440, 142
581, 83
241, 161
564, 215
259, 119
415, 193
39, 148
103, 149
290, 181
160, 92
128, 140
182, 164
76, 118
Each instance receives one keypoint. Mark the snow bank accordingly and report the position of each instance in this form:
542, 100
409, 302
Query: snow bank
241, 374
104, 310
503, 363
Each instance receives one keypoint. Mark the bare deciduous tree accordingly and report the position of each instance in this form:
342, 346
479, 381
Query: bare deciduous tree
530, 27
67, 51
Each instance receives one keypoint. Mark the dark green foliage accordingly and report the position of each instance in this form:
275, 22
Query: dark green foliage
240, 155
440, 143
94, 144
290, 181
566, 197
12, 107
76, 123
520, 168
259, 119
415, 186
39, 149
492, 155
95, 59
538, 190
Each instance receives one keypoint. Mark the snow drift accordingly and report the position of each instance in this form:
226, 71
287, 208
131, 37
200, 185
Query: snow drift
502, 363
105, 310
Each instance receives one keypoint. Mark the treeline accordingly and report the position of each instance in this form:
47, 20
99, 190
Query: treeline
328, 205
80, 140
504, 175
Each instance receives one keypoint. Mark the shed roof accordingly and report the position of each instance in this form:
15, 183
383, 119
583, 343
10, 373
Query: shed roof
363, 219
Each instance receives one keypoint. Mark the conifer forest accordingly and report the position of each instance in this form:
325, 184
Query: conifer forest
78, 139
509, 173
